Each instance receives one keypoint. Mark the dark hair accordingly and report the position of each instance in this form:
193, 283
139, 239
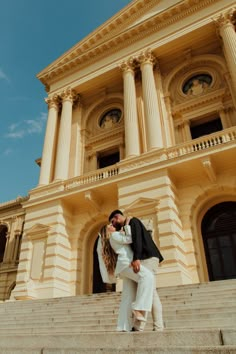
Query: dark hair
114, 213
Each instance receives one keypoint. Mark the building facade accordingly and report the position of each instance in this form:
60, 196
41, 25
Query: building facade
141, 117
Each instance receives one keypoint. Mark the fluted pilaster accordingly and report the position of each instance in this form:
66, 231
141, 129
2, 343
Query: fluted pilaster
7, 248
151, 109
49, 147
132, 144
226, 27
68, 97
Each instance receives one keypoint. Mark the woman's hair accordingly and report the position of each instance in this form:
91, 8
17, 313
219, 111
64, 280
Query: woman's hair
108, 254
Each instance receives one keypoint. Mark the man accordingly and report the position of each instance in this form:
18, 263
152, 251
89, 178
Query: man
145, 252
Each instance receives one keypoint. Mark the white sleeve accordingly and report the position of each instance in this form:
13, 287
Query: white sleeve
127, 229
106, 277
121, 238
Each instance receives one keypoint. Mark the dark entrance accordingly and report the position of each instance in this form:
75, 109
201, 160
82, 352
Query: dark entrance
219, 238
3, 240
199, 129
98, 285
108, 158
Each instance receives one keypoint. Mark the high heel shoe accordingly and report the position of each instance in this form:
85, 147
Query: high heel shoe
139, 316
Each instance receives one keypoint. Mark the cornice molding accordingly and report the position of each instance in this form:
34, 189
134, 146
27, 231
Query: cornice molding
85, 52
195, 102
99, 138
13, 203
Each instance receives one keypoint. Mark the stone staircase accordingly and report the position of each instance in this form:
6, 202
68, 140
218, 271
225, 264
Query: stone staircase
199, 318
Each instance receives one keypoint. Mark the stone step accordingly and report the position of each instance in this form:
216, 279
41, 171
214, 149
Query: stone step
117, 340
88, 310
109, 326
30, 306
160, 350
222, 315
166, 291
108, 316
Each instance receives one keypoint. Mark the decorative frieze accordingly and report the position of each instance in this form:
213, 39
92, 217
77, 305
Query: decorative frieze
86, 51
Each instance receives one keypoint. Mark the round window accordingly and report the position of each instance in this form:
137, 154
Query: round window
110, 118
197, 84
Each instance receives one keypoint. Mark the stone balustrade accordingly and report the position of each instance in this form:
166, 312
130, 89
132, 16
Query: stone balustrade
222, 139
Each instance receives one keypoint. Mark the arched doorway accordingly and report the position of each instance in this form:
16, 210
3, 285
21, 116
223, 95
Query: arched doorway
219, 238
3, 240
98, 285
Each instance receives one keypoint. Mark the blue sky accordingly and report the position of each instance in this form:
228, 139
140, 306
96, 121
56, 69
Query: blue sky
34, 33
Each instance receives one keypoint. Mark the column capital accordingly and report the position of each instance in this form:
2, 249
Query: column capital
226, 19
71, 95
128, 65
53, 101
147, 57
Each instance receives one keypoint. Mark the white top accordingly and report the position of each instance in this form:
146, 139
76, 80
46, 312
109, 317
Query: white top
120, 242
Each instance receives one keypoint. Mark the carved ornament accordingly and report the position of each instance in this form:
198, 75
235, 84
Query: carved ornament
53, 101
147, 57
86, 52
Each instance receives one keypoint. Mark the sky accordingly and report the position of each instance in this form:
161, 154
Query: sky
34, 33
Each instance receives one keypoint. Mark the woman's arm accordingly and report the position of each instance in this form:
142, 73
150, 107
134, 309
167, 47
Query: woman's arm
121, 238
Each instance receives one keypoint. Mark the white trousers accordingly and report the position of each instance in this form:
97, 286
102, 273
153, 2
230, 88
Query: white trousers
125, 318
152, 265
136, 287
145, 283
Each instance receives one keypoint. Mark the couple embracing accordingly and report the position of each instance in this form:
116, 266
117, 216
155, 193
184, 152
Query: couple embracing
126, 249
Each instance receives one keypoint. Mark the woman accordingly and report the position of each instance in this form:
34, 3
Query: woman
137, 291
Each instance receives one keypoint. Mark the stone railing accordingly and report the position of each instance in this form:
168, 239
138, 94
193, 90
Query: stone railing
92, 177
192, 147
202, 143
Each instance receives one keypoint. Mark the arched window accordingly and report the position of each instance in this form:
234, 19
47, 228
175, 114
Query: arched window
3, 240
219, 238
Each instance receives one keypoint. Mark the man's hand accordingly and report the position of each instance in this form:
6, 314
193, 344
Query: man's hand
136, 265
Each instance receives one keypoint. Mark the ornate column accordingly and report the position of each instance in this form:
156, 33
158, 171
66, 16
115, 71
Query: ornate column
46, 170
93, 161
151, 108
224, 118
132, 145
68, 97
187, 131
226, 28
7, 248
16, 247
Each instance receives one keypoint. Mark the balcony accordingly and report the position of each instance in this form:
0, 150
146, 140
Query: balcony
178, 155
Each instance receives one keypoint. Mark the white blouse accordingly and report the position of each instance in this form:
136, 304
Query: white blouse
120, 242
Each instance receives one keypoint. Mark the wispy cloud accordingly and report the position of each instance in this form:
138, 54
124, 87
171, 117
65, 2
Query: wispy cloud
4, 76
26, 127
7, 152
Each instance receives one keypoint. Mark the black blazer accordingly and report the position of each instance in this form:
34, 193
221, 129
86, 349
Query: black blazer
143, 245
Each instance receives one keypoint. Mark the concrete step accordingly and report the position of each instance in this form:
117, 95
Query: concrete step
31, 306
109, 325
72, 319
199, 318
154, 350
120, 341
113, 310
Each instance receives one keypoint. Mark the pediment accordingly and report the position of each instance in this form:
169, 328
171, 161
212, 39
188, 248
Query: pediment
37, 231
141, 204
126, 25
